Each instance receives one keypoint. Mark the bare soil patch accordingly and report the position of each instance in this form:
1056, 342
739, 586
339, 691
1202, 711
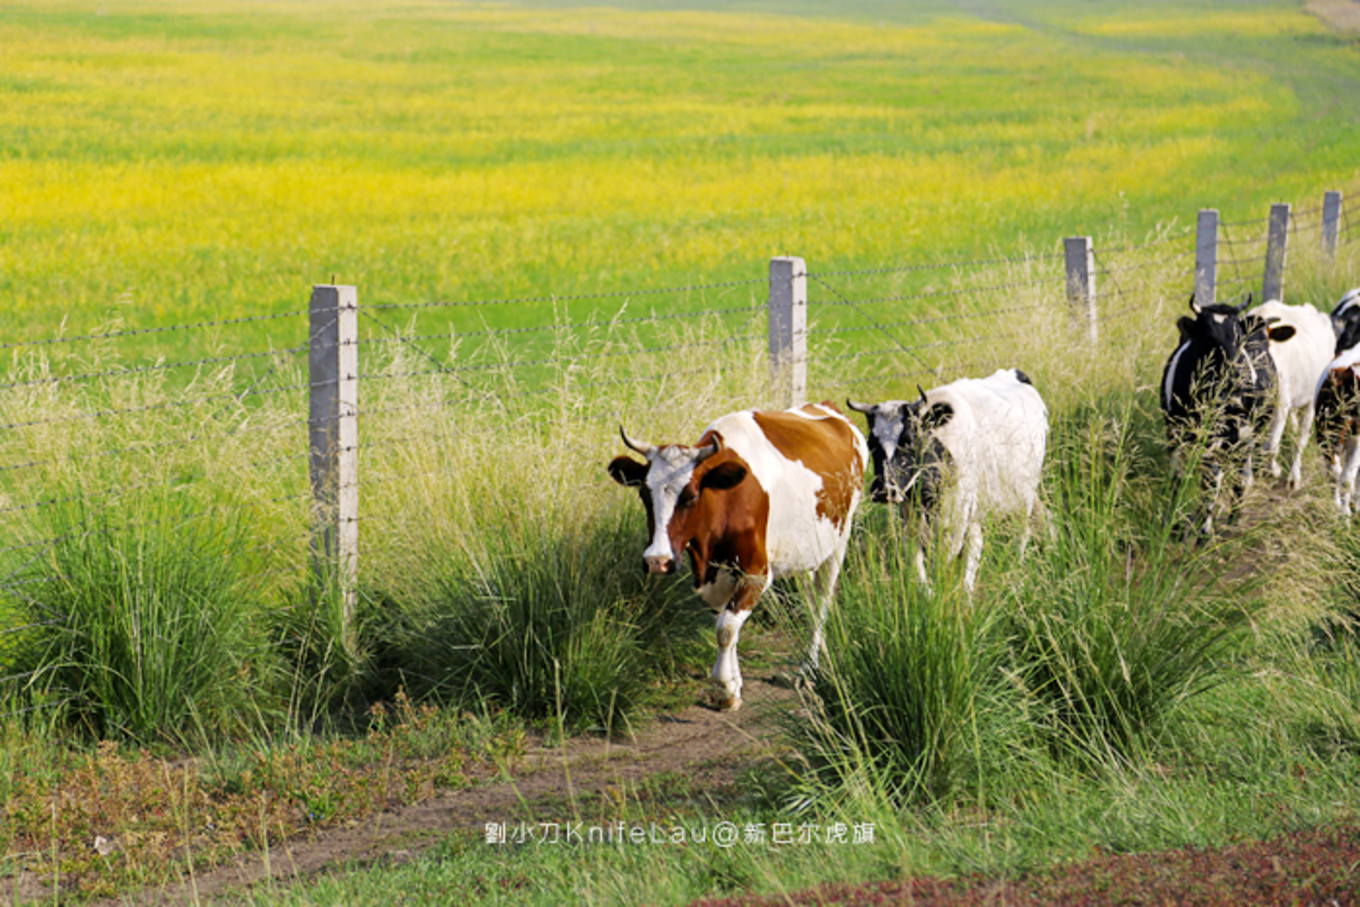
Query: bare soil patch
709, 748
1342, 15
1320, 867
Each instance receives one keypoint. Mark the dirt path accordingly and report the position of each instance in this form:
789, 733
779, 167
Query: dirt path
708, 747
1342, 15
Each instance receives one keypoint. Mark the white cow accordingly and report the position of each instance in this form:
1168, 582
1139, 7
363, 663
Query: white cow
1299, 361
959, 452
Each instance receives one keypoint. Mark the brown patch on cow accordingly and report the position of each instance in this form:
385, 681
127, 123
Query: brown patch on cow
824, 445
725, 526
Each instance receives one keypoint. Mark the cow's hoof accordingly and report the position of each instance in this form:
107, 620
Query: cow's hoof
721, 699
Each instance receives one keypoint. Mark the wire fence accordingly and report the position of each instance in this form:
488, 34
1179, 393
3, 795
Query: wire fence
87, 430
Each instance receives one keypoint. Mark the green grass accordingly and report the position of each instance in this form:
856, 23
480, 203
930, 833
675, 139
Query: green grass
167, 162
139, 627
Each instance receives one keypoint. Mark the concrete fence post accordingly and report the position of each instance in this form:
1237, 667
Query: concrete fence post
1277, 243
1206, 256
788, 330
1331, 222
333, 425
1081, 282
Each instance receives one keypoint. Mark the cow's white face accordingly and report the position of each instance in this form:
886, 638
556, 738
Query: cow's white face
886, 433
670, 491
670, 471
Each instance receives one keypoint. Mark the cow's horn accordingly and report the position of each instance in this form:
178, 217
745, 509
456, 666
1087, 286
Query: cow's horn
921, 391
1244, 306
1194, 306
708, 450
865, 408
640, 446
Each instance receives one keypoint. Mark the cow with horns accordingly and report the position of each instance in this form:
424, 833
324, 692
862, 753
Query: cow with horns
761, 495
961, 452
1217, 391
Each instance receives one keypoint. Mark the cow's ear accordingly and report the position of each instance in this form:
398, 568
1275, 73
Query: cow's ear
723, 476
1186, 325
627, 471
1280, 332
937, 416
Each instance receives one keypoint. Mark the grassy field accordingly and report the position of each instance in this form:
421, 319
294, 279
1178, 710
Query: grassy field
177, 162
165, 648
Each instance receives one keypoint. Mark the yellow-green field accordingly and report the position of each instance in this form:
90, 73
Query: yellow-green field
617, 180
179, 161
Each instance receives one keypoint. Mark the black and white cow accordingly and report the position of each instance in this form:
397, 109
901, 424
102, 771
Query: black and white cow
1337, 401
1347, 308
959, 452
1218, 392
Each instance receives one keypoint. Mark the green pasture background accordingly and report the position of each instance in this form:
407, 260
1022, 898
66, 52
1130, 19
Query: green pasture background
168, 162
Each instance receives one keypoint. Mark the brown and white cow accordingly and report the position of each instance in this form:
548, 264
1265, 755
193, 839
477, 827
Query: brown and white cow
762, 495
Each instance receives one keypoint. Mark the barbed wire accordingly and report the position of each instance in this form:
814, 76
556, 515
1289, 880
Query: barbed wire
991, 313
578, 297
882, 378
153, 446
936, 266
141, 369
571, 325
939, 344
1245, 223
1139, 266
137, 332
932, 294
1161, 241
555, 360
155, 407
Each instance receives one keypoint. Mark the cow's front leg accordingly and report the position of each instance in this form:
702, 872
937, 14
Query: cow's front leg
1271, 448
973, 557
725, 681
1305, 431
1346, 481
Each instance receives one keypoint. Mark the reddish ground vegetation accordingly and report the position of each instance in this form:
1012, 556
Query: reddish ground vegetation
1320, 867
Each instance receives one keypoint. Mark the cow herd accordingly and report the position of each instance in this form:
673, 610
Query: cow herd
767, 494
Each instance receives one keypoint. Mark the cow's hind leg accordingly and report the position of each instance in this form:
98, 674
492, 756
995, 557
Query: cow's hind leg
824, 588
1271, 449
1036, 517
921, 571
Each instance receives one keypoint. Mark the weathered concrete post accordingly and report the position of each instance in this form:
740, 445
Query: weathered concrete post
1331, 222
334, 438
1081, 282
788, 330
1206, 256
1277, 242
